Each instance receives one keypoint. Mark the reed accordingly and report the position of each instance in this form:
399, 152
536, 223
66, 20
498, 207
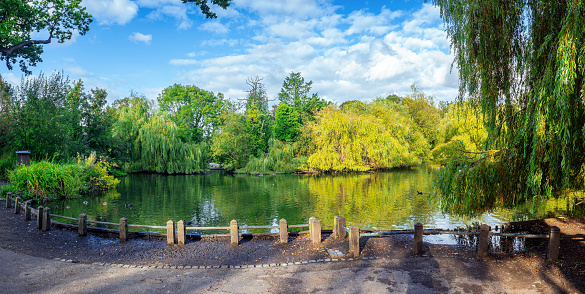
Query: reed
46, 181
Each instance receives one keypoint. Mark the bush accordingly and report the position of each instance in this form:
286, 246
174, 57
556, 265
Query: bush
46, 181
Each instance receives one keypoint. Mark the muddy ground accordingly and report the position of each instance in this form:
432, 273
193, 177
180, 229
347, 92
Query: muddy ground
387, 264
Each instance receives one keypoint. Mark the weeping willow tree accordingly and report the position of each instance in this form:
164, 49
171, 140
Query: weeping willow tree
521, 65
155, 142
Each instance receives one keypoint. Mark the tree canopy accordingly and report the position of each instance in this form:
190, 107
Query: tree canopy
205, 9
521, 65
20, 19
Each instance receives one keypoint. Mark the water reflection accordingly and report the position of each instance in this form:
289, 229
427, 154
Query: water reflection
386, 200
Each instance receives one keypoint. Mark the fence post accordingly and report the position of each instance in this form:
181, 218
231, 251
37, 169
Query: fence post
484, 234
8, 198
123, 229
316, 231
16, 205
82, 226
311, 231
338, 230
354, 242
554, 243
418, 239
181, 232
171, 232
234, 233
40, 217
26, 211
283, 228
46, 219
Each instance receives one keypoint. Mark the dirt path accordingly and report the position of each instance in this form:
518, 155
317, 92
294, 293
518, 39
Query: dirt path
25, 274
104, 265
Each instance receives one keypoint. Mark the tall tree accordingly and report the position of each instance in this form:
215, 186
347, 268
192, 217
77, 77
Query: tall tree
258, 120
295, 92
521, 64
195, 111
22, 19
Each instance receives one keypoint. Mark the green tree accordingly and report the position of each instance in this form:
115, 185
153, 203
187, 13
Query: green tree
258, 120
381, 135
287, 123
424, 113
195, 111
205, 9
6, 115
231, 146
295, 92
521, 64
153, 142
40, 119
22, 19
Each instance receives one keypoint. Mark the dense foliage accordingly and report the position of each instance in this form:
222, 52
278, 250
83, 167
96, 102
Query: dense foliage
45, 181
24, 20
521, 64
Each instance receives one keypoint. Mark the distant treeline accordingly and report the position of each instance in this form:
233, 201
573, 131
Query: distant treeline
187, 127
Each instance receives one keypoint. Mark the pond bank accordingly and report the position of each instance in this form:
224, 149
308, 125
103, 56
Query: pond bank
27, 255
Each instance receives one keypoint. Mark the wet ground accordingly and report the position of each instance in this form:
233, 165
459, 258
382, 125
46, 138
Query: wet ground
386, 264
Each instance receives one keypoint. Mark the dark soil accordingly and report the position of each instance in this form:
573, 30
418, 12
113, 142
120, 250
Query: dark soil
23, 237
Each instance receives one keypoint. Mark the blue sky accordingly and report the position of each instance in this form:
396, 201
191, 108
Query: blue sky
351, 50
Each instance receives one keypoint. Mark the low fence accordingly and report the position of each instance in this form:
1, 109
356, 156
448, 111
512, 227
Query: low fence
176, 233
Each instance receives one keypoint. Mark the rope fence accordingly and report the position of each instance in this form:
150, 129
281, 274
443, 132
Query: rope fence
176, 233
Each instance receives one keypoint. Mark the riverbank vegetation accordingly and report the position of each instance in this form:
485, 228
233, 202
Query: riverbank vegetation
521, 65
186, 128
45, 181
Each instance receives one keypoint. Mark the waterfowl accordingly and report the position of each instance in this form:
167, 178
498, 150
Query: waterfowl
128, 205
418, 193
67, 207
104, 203
85, 202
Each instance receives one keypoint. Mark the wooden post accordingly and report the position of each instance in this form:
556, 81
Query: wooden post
171, 232
46, 219
123, 229
234, 232
316, 231
484, 234
26, 211
82, 225
418, 239
311, 231
8, 199
338, 230
554, 243
283, 228
181, 233
40, 217
16, 205
354, 241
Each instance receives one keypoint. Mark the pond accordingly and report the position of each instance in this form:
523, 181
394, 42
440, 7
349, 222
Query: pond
382, 200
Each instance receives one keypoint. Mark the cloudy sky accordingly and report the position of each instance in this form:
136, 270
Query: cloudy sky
351, 50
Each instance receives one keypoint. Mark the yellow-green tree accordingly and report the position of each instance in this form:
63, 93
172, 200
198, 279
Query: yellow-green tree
377, 136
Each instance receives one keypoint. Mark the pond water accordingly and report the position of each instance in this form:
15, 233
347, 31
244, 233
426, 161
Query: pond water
382, 200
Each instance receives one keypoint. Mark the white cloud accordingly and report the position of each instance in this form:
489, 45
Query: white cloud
361, 55
11, 79
182, 62
178, 12
109, 12
138, 37
215, 27
220, 42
